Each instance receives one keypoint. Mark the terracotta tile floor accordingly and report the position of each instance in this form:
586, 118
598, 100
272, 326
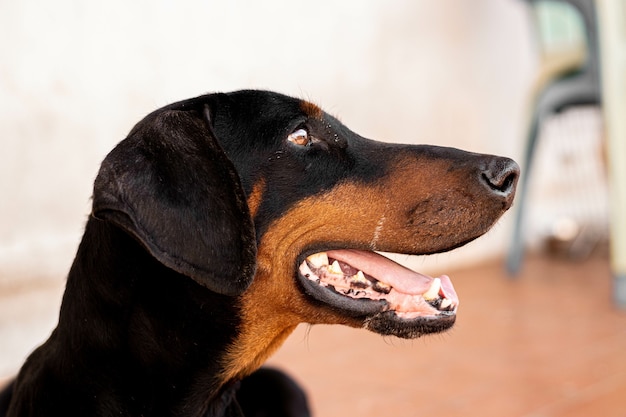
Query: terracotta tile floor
550, 344
547, 345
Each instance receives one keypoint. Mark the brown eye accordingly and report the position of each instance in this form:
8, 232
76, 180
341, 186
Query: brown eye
300, 137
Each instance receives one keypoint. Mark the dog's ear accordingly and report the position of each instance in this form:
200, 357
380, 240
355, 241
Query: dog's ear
171, 186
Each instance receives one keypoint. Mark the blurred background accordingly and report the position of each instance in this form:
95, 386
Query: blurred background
509, 77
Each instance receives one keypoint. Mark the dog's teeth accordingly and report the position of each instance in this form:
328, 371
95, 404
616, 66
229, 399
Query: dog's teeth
360, 278
334, 268
318, 260
445, 303
305, 270
433, 291
382, 287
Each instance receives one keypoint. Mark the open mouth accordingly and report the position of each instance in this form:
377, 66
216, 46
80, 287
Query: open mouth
367, 284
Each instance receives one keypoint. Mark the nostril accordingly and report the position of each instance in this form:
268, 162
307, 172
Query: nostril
501, 175
503, 186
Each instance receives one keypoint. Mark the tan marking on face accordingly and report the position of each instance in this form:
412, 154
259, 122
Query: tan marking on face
312, 110
273, 305
403, 213
256, 196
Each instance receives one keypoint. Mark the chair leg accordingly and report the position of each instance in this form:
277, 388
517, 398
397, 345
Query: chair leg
517, 247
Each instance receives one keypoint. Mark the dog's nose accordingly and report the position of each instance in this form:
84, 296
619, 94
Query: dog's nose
500, 175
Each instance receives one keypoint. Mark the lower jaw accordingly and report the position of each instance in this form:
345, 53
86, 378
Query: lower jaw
359, 308
375, 316
388, 323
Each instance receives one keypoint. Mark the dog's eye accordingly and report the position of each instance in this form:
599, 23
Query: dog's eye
300, 137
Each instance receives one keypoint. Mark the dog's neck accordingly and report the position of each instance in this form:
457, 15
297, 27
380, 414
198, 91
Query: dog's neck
137, 328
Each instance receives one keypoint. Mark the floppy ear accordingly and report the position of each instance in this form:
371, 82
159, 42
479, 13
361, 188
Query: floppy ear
171, 186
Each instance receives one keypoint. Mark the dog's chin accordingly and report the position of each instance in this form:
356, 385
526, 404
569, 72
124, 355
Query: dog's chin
385, 297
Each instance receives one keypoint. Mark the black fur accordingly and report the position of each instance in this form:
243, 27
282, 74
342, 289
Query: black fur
287, 399
153, 297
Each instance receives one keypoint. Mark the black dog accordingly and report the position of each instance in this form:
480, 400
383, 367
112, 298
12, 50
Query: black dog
223, 221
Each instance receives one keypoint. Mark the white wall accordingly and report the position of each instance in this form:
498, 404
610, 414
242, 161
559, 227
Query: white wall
75, 76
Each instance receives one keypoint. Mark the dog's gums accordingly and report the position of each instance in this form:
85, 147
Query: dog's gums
370, 276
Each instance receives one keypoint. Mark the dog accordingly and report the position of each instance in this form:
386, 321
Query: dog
222, 222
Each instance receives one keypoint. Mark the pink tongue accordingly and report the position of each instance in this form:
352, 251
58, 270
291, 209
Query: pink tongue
383, 269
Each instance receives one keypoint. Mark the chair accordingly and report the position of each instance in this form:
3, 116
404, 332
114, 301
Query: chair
575, 83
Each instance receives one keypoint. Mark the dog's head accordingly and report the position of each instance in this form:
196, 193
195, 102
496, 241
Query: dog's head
269, 199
